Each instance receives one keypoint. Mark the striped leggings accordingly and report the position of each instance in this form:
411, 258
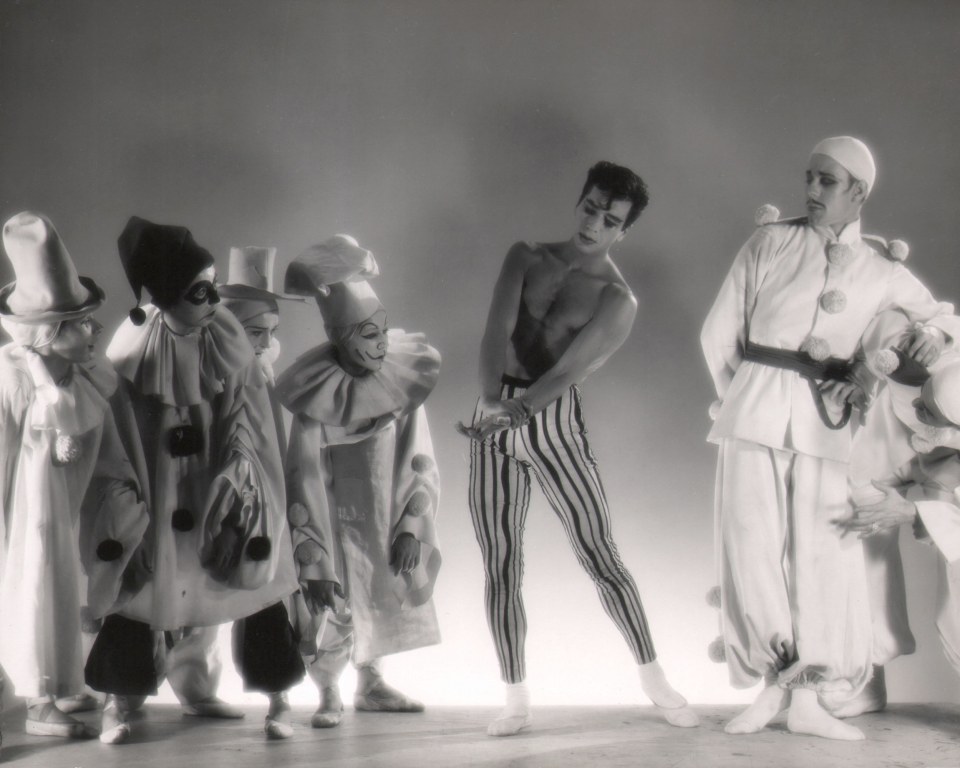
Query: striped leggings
554, 446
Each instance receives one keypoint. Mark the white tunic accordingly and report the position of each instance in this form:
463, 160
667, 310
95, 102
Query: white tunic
772, 296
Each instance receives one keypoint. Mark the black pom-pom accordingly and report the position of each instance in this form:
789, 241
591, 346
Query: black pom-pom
138, 316
258, 548
109, 550
182, 520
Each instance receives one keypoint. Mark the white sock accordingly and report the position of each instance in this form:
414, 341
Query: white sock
515, 715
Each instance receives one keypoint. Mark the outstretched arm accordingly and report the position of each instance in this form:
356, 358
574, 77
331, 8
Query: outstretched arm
592, 346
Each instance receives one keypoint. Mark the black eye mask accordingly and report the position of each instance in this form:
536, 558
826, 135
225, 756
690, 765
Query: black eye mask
203, 292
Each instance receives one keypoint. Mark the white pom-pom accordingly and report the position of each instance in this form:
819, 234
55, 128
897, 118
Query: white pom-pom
714, 410
885, 362
298, 514
840, 254
716, 651
66, 450
419, 504
817, 348
766, 214
898, 250
833, 302
308, 553
421, 463
713, 597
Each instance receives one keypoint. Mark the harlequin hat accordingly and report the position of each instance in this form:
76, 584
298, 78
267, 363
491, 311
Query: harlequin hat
852, 154
162, 258
47, 288
334, 273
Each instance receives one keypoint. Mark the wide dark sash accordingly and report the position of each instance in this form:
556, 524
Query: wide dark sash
830, 369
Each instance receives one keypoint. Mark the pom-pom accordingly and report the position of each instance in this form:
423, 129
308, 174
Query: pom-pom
717, 651
766, 214
258, 548
818, 349
138, 316
840, 254
713, 597
66, 450
419, 504
309, 552
886, 361
714, 410
421, 463
109, 550
898, 250
833, 302
182, 520
298, 514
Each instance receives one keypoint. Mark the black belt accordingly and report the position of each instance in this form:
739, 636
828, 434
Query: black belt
830, 369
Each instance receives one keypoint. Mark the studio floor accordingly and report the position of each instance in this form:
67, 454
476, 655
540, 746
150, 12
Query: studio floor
906, 736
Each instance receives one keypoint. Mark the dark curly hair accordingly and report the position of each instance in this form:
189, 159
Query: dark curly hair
619, 183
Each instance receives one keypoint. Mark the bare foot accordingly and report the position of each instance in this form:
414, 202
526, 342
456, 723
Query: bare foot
771, 701
808, 717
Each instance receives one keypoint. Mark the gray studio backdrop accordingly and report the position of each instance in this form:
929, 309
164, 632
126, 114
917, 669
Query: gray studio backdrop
438, 133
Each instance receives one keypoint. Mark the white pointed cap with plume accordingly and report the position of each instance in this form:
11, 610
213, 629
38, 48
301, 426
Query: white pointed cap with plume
335, 273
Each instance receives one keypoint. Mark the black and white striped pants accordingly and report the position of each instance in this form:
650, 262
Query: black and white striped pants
553, 445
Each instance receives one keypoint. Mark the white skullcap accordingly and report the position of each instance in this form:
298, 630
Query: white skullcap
852, 154
945, 388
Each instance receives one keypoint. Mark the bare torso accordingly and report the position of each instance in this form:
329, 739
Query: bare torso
560, 296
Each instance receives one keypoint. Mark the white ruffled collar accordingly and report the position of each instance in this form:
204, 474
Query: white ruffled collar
75, 405
180, 370
317, 387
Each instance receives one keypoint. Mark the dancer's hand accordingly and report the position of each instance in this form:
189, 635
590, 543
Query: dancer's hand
224, 553
405, 553
321, 595
495, 416
890, 512
842, 392
925, 345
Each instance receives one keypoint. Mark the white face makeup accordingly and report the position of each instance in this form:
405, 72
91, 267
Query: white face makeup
834, 198
600, 221
197, 305
76, 341
261, 331
366, 347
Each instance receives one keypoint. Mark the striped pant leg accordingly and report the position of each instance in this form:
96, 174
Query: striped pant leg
556, 446
499, 498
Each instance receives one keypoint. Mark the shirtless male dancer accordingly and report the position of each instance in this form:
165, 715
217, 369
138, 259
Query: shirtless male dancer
559, 310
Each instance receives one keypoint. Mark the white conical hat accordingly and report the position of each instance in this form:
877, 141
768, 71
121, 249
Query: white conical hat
47, 287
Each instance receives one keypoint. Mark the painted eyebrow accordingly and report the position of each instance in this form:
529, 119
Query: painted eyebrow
605, 208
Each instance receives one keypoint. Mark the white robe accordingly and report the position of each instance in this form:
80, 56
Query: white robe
40, 498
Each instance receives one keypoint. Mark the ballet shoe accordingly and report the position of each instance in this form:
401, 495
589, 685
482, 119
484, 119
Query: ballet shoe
510, 725
212, 707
